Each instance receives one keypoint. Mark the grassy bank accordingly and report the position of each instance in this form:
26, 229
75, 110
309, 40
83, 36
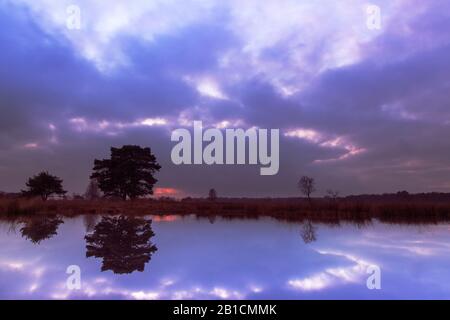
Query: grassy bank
320, 210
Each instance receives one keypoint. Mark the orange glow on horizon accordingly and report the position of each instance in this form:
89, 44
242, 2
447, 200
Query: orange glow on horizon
167, 192
168, 218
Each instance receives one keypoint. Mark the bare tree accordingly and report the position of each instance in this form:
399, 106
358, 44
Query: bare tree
307, 186
308, 232
332, 194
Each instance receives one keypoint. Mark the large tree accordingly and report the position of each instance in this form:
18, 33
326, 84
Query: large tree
44, 185
123, 243
128, 173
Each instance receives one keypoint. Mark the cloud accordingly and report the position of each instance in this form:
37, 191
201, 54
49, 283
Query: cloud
369, 108
333, 276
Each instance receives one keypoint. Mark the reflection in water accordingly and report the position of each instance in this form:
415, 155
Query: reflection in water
89, 221
226, 260
212, 219
40, 228
122, 242
8, 226
308, 232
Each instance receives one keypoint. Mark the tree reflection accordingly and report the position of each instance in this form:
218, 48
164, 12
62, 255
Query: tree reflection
40, 228
212, 219
122, 242
89, 221
308, 232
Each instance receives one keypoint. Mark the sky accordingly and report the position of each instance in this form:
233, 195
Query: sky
360, 109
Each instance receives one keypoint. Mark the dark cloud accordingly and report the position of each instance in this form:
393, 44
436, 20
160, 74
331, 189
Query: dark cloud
393, 103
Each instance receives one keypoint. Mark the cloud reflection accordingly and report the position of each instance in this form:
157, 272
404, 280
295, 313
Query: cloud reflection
333, 276
251, 259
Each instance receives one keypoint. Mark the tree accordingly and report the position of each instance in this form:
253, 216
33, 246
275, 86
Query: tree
123, 243
212, 195
308, 232
332, 194
92, 191
128, 173
44, 185
307, 186
40, 228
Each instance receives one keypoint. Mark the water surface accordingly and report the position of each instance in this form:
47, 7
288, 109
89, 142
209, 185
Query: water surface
215, 258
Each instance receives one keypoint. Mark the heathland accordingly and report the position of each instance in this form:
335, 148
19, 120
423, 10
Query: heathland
394, 208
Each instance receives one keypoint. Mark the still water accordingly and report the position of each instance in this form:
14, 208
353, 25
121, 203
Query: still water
173, 257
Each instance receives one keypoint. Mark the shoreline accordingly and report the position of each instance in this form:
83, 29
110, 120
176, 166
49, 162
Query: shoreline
318, 210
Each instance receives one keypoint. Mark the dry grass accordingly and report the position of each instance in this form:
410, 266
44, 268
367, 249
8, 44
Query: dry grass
320, 210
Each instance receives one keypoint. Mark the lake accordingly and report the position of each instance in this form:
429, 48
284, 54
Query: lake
174, 257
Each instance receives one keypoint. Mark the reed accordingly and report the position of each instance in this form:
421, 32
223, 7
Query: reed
285, 209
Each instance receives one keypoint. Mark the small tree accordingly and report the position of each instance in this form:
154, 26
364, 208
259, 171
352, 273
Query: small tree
40, 228
308, 232
128, 173
92, 191
44, 185
212, 195
307, 186
332, 194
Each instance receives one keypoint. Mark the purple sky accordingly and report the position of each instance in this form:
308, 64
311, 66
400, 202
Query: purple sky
361, 110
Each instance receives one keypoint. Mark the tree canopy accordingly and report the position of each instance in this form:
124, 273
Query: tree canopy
40, 228
123, 243
44, 185
128, 173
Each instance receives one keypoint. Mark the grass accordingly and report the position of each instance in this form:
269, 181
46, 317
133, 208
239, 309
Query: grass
320, 210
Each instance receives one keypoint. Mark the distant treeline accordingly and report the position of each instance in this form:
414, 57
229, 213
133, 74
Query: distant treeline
403, 196
398, 196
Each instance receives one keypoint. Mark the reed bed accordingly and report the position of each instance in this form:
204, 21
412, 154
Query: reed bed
318, 210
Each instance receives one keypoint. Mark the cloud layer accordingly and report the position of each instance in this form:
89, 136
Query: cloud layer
361, 110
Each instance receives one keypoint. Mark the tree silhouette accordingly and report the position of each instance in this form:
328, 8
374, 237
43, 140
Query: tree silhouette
40, 228
332, 194
122, 242
307, 186
44, 185
308, 232
129, 172
212, 195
